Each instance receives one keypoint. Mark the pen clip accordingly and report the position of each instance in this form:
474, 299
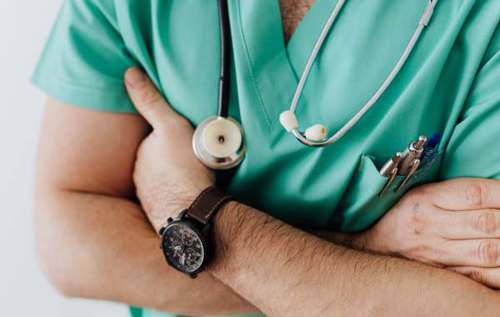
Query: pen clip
390, 170
413, 169
389, 182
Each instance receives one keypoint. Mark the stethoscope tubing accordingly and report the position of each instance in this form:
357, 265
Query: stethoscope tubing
215, 156
225, 44
423, 22
215, 134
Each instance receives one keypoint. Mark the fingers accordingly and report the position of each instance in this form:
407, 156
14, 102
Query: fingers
147, 99
476, 224
487, 276
483, 253
465, 194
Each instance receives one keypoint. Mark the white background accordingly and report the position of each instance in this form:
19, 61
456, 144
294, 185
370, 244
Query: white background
24, 26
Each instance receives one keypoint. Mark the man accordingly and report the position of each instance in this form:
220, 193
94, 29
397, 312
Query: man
105, 248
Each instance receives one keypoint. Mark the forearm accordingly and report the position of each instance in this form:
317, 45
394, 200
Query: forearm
287, 272
351, 241
101, 247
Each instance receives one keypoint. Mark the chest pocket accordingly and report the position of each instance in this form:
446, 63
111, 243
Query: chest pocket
360, 207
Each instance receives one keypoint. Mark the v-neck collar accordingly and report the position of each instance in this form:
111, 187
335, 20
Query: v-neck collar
304, 37
276, 66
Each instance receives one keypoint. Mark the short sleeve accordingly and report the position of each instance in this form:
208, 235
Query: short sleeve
85, 58
474, 148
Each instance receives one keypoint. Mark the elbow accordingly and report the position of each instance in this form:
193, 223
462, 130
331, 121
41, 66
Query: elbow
52, 255
53, 264
58, 275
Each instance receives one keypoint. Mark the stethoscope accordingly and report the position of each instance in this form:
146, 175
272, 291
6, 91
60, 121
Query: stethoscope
218, 142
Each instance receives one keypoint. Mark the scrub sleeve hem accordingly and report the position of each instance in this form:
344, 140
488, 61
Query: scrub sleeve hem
135, 312
112, 98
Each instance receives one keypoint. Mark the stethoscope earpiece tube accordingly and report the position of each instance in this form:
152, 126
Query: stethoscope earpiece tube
316, 136
218, 142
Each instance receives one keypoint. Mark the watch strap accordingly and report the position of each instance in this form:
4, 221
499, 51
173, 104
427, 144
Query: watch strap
207, 204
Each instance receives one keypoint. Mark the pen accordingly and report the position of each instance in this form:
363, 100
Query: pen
404, 164
411, 160
430, 150
413, 152
413, 168
390, 170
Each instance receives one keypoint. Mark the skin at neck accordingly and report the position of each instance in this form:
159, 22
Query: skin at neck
292, 13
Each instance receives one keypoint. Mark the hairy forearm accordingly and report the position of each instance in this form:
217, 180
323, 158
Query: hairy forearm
288, 272
351, 241
100, 247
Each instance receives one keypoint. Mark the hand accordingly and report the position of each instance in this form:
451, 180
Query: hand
453, 224
167, 175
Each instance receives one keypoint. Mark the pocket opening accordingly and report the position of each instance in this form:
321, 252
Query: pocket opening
361, 206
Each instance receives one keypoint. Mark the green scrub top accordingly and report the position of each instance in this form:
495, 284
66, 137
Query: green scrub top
450, 85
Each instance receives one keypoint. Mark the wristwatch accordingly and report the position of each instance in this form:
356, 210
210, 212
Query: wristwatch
187, 241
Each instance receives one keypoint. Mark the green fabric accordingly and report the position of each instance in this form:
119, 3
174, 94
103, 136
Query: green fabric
136, 312
450, 85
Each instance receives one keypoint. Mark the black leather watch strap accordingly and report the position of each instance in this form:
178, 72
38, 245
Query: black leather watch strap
207, 204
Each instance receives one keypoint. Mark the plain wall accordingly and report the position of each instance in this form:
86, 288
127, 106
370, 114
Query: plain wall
24, 26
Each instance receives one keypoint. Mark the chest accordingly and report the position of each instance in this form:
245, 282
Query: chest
304, 186
292, 13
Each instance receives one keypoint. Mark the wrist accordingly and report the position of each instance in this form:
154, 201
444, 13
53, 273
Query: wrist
169, 202
227, 232
187, 239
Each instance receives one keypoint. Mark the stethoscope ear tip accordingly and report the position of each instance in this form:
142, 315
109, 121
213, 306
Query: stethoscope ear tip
315, 133
289, 121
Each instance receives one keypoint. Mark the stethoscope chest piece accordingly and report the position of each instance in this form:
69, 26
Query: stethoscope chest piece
218, 143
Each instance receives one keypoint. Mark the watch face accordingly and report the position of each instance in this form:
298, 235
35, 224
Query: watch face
183, 246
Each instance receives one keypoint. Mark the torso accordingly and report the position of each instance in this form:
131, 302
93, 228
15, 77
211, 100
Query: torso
292, 12
335, 187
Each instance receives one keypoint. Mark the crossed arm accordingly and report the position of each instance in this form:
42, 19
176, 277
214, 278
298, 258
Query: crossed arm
95, 242
286, 272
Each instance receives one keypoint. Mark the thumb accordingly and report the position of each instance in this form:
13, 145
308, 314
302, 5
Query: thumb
147, 99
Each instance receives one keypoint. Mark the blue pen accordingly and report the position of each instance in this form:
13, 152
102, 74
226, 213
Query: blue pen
431, 150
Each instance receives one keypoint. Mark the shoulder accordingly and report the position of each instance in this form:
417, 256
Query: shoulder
90, 12
111, 10
474, 24
117, 17
484, 20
